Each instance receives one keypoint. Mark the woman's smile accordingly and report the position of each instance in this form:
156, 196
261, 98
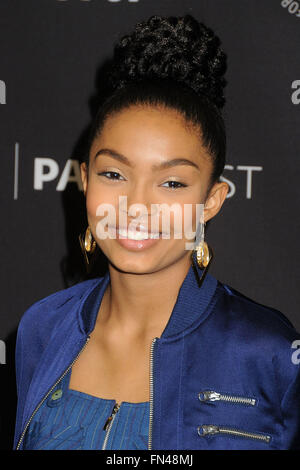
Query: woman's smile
136, 244
134, 239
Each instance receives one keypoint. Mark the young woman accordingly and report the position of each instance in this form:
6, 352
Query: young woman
156, 354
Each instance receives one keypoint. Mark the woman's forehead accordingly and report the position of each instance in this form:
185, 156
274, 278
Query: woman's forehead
150, 114
150, 129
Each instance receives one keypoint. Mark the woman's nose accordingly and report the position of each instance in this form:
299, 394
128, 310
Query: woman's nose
139, 200
139, 203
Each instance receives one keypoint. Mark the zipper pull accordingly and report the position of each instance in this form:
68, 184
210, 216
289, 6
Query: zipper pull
209, 395
208, 429
114, 411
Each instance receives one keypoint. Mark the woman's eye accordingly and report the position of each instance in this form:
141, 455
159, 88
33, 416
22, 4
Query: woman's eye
176, 184
113, 175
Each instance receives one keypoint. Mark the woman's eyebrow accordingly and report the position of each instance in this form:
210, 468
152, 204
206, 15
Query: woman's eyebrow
160, 166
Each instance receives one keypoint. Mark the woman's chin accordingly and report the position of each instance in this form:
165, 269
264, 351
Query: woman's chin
134, 263
133, 267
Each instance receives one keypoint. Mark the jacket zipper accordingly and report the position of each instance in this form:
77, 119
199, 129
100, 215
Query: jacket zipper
111, 418
151, 394
210, 429
109, 422
48, 393
210, 395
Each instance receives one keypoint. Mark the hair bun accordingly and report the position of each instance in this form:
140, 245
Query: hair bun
178, 48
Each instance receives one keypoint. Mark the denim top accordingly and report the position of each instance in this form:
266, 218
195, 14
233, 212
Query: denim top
69, 420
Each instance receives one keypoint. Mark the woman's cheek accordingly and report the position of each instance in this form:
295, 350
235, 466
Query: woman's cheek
96, 195
92, 203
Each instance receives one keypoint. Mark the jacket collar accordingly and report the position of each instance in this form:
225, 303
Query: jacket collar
191, 303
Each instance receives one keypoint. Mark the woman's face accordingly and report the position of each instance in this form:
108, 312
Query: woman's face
151, 157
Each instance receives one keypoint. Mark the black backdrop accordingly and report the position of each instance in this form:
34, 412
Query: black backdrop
51, 57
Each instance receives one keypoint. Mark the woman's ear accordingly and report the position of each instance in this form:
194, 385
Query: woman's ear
215, 200
84, 176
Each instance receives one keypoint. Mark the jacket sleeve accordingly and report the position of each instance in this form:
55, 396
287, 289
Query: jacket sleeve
28, 350
19, 372
290, 407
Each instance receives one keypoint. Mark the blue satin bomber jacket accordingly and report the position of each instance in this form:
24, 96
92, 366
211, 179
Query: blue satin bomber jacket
221, 374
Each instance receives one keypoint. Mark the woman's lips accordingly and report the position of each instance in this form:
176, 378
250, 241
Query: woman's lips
136, 244
137, 234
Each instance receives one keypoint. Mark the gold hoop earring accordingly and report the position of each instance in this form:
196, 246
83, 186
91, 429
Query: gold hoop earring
89, 242
203, 254
88, 246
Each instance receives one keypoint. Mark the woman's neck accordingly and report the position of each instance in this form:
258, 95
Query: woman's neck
141, 304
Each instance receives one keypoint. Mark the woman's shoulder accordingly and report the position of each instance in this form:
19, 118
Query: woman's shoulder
257, 318
260, 337
46, 310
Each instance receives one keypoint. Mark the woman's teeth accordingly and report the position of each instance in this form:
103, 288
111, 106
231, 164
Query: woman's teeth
136, 235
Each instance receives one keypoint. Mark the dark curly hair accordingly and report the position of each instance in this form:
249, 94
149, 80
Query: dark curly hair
173, 62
